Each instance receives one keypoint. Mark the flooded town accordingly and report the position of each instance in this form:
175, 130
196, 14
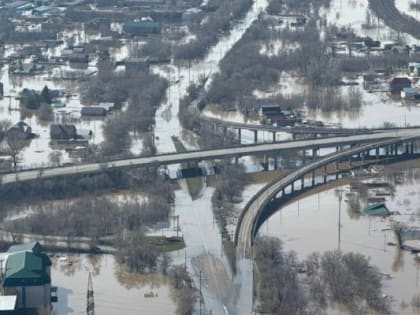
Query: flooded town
209, 157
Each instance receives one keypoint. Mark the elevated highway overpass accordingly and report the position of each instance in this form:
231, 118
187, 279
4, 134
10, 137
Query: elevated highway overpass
251, 216
195, 156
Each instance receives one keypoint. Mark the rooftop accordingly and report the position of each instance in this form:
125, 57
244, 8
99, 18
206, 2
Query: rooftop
26, 269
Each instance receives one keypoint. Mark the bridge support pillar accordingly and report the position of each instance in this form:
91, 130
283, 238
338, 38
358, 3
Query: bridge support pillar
302, 183
313, 178
275, 162
396, 149
240, 135
407, 148
255, 136
314, 153
224, 130
236, 160
304, 156
265, 162
325, 174
274, 136
412, 147
293, 187
377, 153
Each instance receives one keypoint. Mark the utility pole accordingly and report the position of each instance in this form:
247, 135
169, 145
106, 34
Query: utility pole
90, 309
201, 301
339, 193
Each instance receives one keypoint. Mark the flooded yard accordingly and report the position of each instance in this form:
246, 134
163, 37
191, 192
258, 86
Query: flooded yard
116, 291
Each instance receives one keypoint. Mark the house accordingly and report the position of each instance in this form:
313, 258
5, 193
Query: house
78, 57
93, 111
27, 276
414, 68
14, 5
409, 93
63, 132
137, 64
41, 10
143, 27
274, 114
397, 84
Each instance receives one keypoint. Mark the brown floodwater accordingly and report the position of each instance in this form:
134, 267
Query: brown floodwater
116, 291
312, 224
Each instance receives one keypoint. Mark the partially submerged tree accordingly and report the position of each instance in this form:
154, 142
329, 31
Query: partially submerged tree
16, 141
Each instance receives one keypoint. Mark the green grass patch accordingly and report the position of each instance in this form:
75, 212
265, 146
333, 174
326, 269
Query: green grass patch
195, 184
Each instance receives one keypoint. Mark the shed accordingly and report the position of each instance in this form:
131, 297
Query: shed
377, 209
7, 304
93, 111
414, 68
409, 93
63, 132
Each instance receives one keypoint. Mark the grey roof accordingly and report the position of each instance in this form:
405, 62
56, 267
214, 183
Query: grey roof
31, 247
93, 111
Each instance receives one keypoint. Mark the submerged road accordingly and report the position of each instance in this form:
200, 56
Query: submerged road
237, 151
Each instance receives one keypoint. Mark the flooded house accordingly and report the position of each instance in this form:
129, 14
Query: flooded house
397, 84
63, 132
93, 111
133, 65
274, 114
377, 209
143, 27
26, 280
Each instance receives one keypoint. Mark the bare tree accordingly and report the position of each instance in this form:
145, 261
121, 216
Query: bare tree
16, 141
55, 158
4, 126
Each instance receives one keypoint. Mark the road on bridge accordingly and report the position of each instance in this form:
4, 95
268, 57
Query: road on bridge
174, 158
